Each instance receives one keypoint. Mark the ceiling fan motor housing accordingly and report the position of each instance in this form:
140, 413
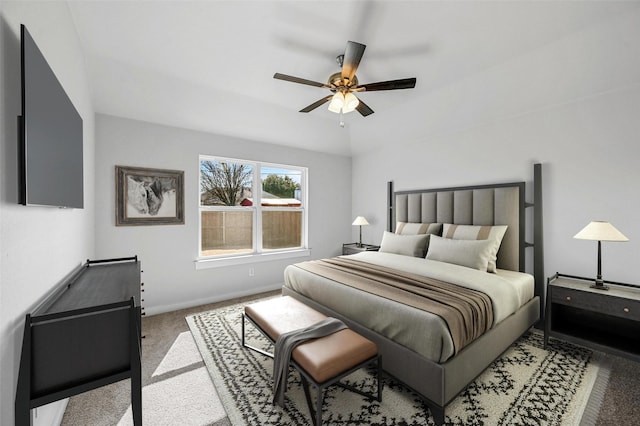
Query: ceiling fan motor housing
335, 80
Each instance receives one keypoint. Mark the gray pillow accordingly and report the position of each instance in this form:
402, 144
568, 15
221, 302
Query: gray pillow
408, 245
470, 253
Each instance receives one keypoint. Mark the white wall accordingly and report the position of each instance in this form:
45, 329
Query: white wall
168, 252
39, 246
585, 132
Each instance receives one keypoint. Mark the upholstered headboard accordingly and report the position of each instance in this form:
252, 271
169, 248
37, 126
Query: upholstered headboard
500, 204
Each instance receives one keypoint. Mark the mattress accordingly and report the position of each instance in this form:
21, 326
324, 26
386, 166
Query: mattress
420, 331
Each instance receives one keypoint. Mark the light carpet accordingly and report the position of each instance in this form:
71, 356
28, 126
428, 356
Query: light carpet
170, 398
526, 385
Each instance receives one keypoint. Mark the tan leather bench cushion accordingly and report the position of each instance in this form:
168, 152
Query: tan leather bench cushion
322, 358
281, 315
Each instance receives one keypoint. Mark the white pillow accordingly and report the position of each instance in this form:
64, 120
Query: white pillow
470, 253
408, 245
478, 232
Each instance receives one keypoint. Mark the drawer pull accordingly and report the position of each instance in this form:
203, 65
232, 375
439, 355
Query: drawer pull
569, 298
626, 310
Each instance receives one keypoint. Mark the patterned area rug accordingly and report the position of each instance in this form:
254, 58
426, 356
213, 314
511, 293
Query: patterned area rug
526, 385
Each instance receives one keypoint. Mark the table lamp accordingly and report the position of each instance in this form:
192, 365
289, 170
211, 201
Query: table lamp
360, 220
600, 231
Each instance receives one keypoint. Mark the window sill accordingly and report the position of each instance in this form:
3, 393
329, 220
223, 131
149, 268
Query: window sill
206, 263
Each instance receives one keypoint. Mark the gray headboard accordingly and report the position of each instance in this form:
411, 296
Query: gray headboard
500, 204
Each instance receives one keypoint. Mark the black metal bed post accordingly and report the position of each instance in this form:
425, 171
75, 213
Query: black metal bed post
390, 204
538, 247
538, 244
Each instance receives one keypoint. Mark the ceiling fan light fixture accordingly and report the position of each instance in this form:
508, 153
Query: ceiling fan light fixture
350, 102
344, 82
337, 102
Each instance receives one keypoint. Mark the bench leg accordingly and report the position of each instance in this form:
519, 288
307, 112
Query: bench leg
378, 397
243, 330
316, 415
379, 378
253, 348
319, 396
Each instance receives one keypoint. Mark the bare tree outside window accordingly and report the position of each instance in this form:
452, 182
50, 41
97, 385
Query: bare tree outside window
224, 183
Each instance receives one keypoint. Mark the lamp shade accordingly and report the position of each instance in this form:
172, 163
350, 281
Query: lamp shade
600, 231
360, 220
350, 102
345, 102
337, 102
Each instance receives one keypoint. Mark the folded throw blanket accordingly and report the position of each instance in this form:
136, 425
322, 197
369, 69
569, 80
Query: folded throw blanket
285, 345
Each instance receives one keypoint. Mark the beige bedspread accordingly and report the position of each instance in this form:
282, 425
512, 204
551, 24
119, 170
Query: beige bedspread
467, 313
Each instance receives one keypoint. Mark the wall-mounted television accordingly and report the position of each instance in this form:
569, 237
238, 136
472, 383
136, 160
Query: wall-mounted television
50, 138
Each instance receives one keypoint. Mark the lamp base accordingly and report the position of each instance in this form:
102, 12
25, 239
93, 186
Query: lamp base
599, 284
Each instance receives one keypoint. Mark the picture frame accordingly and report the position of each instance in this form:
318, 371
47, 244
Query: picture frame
146, 196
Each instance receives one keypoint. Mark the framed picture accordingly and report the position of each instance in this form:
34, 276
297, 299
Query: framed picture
149, 196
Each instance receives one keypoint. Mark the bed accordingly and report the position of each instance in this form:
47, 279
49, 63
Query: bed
436, 355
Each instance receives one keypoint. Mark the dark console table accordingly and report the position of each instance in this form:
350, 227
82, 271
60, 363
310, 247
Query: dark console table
84, 335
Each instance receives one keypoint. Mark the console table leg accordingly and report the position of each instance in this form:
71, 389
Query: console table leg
136, 366
23, 390
136, 398
23, 415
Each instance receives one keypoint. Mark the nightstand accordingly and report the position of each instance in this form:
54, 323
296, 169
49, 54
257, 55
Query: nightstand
353, 248
604, 320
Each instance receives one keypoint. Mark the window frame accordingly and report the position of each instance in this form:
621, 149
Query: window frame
258, 253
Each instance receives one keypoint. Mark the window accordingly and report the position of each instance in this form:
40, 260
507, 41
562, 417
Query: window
250, 208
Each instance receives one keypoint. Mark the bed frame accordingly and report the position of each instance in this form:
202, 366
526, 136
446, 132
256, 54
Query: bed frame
499, 204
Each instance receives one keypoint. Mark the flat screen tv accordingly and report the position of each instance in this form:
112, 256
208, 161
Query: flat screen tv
50, 135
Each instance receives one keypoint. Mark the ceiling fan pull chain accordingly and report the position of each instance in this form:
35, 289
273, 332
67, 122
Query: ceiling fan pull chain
341, 118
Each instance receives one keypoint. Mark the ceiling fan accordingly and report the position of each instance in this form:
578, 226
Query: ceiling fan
344, 84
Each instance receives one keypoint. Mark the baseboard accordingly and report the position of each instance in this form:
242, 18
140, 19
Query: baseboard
155, 310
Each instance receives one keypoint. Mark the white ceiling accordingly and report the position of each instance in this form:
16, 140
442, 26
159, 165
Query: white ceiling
209, 65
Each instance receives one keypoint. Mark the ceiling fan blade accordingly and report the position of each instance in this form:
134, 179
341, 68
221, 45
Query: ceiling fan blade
363, 108
405, 83
299, 80
316, 104
352, 56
